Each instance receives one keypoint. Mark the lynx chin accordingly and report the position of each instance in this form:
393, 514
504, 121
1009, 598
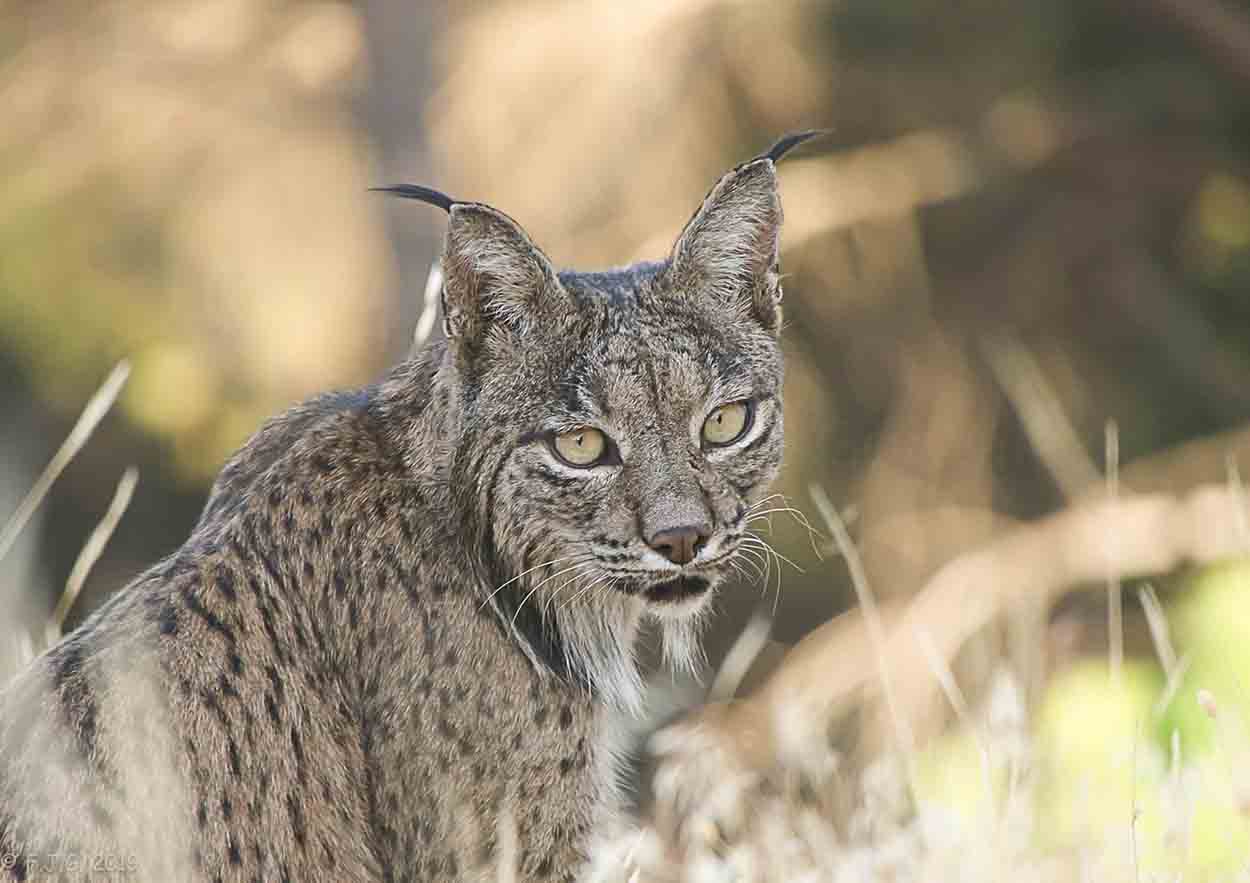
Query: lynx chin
411, 608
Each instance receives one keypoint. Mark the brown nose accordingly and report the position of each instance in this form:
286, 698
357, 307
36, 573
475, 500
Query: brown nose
680, 544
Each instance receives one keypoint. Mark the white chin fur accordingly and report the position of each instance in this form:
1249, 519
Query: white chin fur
601, 637
680, 611
681, 633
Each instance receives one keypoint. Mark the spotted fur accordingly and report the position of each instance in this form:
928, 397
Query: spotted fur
401, 613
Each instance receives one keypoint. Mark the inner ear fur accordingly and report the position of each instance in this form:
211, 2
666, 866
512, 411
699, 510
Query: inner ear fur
730, 247
493, 272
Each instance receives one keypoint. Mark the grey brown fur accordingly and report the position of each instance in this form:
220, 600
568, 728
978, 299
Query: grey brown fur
350, 670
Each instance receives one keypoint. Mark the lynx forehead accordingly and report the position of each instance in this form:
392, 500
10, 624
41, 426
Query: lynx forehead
410, 610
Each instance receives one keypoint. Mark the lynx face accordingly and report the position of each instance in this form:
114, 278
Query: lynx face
615, 428
648, 422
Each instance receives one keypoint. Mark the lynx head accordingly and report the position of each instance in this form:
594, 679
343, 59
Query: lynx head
614, 428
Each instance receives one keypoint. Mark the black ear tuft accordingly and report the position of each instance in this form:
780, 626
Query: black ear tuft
789, 142
421, 194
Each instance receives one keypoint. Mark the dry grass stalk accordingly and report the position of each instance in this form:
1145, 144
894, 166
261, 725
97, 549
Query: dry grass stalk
1036, 403
91, 551
96, 409
1115, 593
872, 621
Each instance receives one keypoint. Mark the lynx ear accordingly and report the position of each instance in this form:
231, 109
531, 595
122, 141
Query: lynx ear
492, 271
730, 247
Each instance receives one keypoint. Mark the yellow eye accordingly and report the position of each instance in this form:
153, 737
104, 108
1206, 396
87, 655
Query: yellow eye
727, 424
581, 447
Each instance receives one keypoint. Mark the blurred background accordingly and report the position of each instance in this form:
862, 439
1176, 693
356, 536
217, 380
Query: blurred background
1031, 218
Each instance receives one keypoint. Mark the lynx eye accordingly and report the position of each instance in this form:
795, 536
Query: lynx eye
727, 424
581, 447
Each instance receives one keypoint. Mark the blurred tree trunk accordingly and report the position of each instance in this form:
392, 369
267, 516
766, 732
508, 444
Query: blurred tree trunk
400, 37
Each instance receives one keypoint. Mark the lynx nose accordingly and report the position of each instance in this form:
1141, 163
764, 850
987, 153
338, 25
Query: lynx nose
680, 544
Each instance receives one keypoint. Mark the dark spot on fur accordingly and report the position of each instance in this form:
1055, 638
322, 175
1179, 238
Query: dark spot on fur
446, 729
297, 745
296, 812
236, 764
77, 701
209, 700
276, 681
225, 585
226, 686
210, 619
167, 617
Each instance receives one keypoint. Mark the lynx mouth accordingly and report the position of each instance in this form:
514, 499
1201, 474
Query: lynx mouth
675, 590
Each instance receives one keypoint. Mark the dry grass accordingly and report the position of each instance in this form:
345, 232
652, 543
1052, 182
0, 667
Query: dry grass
25, 642
718, 819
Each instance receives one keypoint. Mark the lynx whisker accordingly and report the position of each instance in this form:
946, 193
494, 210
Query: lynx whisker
549, 563
779, 557
740, 570
611, 582
798, 515
569, 569
575, 582
757, 547
777, 554
764, 501
753, 558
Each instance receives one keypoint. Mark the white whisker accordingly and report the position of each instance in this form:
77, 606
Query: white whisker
755, 513
569, 569
614, 580
574, 581
502, 586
